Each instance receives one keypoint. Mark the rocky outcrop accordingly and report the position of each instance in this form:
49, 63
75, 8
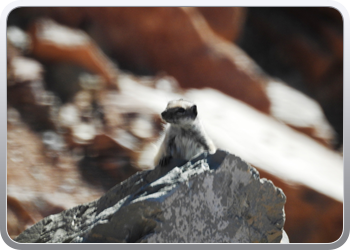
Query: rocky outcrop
102, 137
213, 198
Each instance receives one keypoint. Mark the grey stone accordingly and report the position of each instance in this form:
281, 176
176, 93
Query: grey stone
213, 198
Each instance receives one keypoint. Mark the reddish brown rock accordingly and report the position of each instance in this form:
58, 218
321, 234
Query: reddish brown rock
36, 185
26, 93
304, 48
225, 21
18, 217
311, 217
107, 162
195, 55
175, 40
52, 42
182, 43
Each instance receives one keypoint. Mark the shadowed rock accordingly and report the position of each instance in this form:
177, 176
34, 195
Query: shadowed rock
213, 198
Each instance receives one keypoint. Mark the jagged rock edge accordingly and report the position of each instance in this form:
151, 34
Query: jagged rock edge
148, 189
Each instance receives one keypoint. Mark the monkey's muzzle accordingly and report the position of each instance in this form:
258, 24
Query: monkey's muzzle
166, 116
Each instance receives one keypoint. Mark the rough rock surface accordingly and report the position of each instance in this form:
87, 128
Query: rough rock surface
213, 198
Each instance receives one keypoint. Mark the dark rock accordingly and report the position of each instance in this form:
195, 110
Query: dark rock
304, 48
213, 198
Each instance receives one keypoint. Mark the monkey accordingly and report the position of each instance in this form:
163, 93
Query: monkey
184, 136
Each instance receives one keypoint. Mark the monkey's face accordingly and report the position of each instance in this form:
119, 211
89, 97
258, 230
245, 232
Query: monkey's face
180, 113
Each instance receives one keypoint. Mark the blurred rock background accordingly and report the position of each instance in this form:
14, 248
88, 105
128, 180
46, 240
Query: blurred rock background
85, 87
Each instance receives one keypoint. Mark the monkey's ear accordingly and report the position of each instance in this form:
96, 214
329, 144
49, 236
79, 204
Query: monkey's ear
194, 111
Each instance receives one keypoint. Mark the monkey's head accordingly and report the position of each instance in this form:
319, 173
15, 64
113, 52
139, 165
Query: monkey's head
180, 112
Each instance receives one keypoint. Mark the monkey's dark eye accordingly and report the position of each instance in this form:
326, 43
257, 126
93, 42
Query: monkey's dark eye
180, 110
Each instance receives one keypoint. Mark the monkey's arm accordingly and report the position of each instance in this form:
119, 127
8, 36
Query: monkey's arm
207, 143
163, 156
211, 146
160, 154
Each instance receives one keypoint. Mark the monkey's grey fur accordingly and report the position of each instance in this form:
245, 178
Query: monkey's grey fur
184, 136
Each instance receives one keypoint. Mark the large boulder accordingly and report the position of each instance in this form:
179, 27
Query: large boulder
213, 198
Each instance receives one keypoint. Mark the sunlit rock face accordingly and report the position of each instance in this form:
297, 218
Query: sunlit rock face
213, 198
